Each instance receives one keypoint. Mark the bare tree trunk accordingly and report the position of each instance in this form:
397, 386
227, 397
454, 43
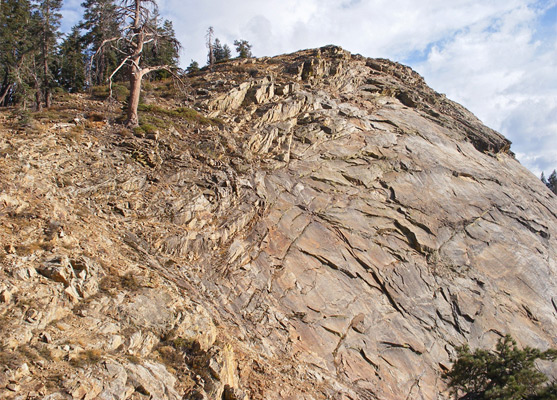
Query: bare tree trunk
6, 87
38, 103
140, 32
100, 69
46, 83
135, 91
136, 73
4, 94
211, 54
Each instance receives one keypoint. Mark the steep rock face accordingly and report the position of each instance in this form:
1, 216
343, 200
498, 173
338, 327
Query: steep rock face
334, 235
396, 229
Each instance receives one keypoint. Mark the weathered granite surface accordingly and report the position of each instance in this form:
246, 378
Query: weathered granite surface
336, 233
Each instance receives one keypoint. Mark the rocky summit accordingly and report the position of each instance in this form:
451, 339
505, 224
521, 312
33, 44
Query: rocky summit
317, 225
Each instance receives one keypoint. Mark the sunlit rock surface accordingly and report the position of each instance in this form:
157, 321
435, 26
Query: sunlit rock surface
332, 228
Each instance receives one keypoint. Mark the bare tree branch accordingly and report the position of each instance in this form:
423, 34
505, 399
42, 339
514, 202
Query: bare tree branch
114, 73
142, 27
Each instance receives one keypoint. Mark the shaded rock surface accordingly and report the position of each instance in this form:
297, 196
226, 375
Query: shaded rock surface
334, 232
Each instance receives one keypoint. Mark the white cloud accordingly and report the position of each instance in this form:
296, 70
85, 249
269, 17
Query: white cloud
505, 75
373, 27
71, 12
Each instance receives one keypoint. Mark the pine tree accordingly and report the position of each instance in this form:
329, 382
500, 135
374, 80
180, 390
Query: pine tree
100, 23
243, 48
542, 178
552, 182
162, 52
508, 373
48, 17
71, 62
168, 51
221, 52
17, 45
192, 68
226, 52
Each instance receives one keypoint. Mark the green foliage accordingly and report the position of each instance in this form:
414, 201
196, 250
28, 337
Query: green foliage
17, 50
145, 128
184, 345
100, 92
71, 61
33, 64
193, 68
221, 52
100, 23
542, 178
552, 182
119, 92
163, 51
508, 373
24, 117
28, 48
243, 48
53, 114
48, 17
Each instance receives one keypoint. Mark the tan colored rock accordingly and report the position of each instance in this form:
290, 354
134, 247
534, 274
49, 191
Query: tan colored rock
142, 345
58, 269
197, 324
115, 382
154, 379
6, 296
14, 387
25, 273
334, 234
86, 390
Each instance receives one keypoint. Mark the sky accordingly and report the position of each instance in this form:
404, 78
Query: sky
498, 58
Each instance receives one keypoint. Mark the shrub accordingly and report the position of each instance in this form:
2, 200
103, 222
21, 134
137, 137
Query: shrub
100, 92
23, 116
148, 128
130, 282
193, 68
119, 91
507, 373
95, 116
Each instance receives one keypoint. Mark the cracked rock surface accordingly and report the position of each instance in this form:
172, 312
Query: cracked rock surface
335, 234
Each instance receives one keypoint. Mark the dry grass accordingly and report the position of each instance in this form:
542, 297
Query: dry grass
87, 357
10, 359
120, 92
180, 114
112, 283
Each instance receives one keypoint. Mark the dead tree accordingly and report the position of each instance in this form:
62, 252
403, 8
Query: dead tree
140, 28
211, 54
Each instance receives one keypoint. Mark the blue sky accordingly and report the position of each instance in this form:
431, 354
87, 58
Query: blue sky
498, 58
